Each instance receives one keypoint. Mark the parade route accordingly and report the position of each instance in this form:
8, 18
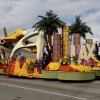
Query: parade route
16, 88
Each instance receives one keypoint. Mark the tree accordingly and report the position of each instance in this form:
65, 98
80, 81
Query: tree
80, 28
49, 24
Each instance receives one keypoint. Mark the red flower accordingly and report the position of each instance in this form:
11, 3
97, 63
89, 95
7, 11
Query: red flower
47, 68
1, 66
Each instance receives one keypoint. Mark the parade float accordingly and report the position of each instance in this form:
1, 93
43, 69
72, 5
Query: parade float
8, 42
76, 72
65, 68
27, 67
70, 62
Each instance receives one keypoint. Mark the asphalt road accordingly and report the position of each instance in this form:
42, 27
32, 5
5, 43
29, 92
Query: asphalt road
15, 88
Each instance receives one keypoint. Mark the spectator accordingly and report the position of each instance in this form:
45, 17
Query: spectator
99, 50
96, 49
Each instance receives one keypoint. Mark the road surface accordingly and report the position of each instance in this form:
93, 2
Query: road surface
15, 88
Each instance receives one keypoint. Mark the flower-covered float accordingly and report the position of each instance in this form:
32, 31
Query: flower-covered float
24, 67
1, 68
94, 63
3, 65
96, 67
63, 70
51, 71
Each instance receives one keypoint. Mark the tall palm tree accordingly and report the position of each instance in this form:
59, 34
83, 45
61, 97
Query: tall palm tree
49, 24
79, 27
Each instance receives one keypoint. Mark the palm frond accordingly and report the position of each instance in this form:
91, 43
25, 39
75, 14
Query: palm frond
49, 22
79, 27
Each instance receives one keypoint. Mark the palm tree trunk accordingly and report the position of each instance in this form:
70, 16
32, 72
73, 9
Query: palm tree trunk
45, 36
76, 40
49, 41
49, 37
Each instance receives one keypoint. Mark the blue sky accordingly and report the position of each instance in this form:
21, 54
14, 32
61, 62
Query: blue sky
25, 14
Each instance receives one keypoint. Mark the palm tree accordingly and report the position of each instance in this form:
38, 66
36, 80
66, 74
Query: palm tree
80, 28
49, 24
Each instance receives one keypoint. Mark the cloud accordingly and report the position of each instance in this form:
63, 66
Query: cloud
25, 14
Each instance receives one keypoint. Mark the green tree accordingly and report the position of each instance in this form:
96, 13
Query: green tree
49, 24
79, 27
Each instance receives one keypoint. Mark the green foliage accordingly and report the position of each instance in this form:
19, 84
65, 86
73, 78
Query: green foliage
63, 61
75, 60
5, 63
50, 22
79, 27
30, 65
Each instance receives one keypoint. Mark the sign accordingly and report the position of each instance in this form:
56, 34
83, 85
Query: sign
86, 51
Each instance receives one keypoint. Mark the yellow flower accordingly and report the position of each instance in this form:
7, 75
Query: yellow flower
65, 57
60, 61
63, 62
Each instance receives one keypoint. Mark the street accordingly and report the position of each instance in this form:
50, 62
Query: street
17, 88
